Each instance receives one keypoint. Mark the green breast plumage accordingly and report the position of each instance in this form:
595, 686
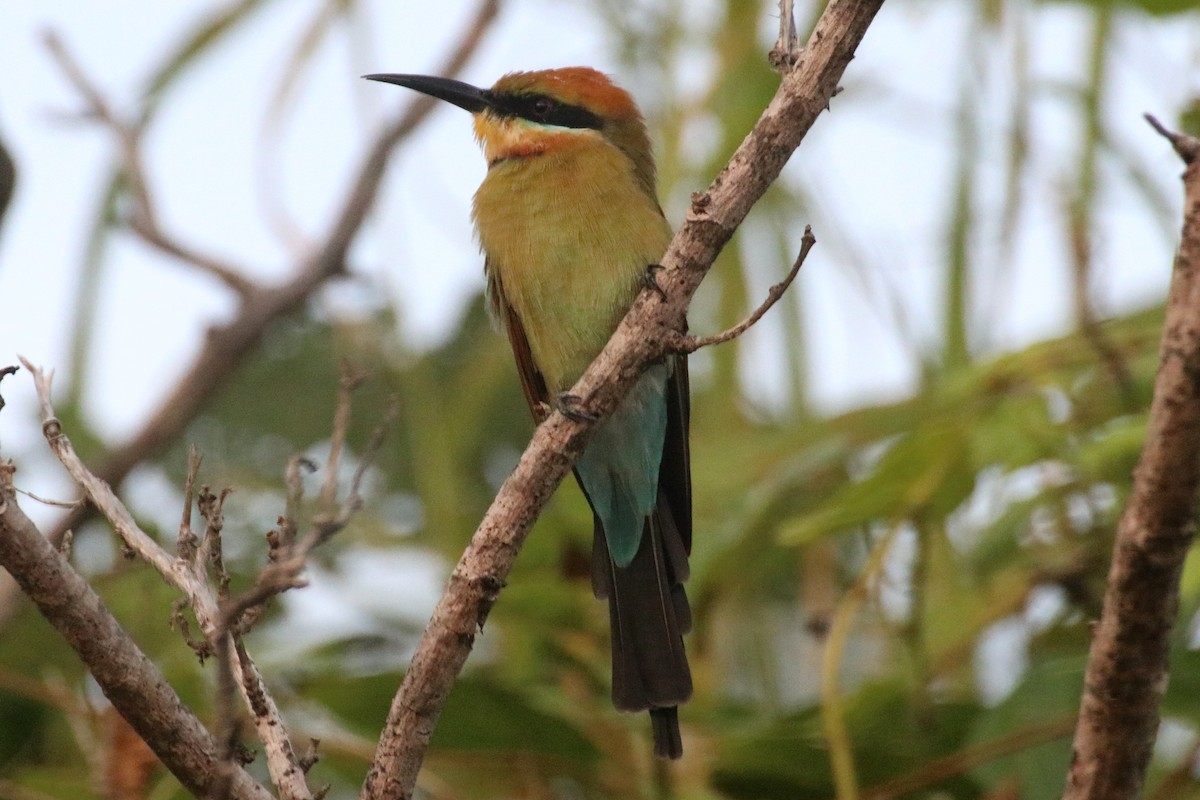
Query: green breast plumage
569, 235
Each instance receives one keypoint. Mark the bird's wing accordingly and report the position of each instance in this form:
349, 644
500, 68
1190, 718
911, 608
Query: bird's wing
533, 384
675, 473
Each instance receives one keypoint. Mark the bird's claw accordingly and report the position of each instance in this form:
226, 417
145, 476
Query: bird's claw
650, 280
571, 407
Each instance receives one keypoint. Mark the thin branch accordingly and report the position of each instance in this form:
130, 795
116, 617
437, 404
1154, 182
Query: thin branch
1180, 778
690, 344
787, 50
228, 727
99, 492
962, 761
833, 720
233, 277
190, 578
4, 373
98, 107
1127, 665
144, 220
288, 559
1188, 147
350, 381
294, 481
48, 502
186, 542
131, 682
714, 215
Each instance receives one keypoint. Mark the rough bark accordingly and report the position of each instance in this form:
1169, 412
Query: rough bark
131, 682
1127, 665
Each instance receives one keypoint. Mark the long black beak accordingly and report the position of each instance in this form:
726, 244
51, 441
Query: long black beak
463, 95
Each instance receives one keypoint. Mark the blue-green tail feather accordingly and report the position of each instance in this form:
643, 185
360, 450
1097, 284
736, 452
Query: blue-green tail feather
619, 469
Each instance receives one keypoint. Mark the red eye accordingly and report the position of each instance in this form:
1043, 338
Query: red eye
543, 106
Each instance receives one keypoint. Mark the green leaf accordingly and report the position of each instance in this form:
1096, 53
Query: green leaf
1047, 696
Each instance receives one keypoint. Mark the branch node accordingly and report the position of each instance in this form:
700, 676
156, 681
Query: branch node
186, 546
4, 373
64, 547
650, 281
201, 647
52, 429
1188, 147
310, 756
683, 343
489, 587
785, 55
572, 406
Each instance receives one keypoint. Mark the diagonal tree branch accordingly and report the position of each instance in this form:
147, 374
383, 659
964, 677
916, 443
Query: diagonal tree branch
1127, 665
642, 338
131, 682
190, 578
144, 218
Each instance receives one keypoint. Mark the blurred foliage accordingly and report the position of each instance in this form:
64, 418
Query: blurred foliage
1002, 477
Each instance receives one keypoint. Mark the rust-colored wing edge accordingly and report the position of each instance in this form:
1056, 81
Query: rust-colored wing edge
532, 383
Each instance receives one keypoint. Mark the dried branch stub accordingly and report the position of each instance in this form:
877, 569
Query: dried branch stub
4, 373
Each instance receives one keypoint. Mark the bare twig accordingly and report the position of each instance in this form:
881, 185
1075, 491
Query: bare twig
690, 344
4, 373
833, 719
1188, 147
1127, 664
288, 559
144, 219
715, 214
48, 502
190, 578
233, 277
97, 491
131, 682
350, 381
962, 761
294, 481
228, 729
1085, 311
186, 542
786, 52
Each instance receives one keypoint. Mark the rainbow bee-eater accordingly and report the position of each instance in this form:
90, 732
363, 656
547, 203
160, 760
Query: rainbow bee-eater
570, 226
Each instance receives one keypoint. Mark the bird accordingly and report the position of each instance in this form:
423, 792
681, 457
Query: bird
571, 229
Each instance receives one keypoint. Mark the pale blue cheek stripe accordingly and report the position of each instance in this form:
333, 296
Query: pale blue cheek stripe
620, 467
541, 126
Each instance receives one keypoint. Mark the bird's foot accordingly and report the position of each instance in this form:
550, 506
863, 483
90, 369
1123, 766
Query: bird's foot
650, 281
571, 407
